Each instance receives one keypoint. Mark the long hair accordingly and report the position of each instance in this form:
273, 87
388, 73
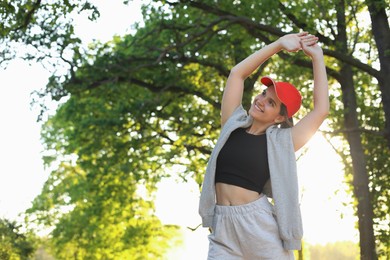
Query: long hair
288, 122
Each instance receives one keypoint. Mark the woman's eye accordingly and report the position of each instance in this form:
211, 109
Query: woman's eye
263, 93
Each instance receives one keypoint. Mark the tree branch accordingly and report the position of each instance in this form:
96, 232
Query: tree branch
353, 62
252, 26
29, 16
303, 25
176, 89
352, 130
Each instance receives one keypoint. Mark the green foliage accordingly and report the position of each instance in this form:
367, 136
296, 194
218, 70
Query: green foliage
139, 105
93, 196
44, 26
15, 244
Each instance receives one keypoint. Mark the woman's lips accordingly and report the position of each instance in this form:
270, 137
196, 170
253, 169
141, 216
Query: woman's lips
258, 108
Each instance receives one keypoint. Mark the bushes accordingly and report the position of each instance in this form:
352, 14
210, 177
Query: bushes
13, 243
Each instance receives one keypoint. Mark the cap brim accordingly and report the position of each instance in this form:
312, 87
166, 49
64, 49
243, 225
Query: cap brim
286, 93
268, 81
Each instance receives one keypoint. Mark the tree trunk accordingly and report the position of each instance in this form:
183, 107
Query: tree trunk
360, 175
381, 32
300, 252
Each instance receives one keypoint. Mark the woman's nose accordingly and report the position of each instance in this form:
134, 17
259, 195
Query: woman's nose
261, 101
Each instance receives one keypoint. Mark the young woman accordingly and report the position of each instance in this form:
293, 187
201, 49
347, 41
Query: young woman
254, 158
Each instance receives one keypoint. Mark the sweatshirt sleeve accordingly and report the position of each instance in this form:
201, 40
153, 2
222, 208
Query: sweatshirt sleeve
284, 184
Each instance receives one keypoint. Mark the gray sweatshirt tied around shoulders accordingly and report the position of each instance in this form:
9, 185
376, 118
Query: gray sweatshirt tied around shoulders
282, 186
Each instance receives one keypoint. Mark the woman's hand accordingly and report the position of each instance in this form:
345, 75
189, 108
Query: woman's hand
292, 42
309, 124
310, 46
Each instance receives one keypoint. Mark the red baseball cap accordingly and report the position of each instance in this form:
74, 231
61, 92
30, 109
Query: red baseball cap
286, 93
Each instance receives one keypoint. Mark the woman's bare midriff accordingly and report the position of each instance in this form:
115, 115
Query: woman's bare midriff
231, 195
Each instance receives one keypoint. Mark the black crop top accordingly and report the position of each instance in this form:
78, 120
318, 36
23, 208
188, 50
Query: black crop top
243, 161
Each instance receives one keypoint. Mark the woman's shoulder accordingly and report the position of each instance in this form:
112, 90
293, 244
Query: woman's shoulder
240, 110
239, 114
278, 132
239, 118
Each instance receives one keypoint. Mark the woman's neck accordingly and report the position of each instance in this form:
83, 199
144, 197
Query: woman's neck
256, 130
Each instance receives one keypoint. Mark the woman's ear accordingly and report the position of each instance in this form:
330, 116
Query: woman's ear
279, 119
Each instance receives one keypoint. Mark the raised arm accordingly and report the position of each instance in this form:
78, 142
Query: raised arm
308, 125
232, 95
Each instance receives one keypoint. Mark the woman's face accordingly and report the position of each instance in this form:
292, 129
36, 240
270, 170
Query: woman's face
266, 107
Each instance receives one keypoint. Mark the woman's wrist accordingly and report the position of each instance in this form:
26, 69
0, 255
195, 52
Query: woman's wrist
279, 44
317, 56
276, 46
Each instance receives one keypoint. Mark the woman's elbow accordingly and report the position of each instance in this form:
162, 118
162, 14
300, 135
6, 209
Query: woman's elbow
324, 112
235, 72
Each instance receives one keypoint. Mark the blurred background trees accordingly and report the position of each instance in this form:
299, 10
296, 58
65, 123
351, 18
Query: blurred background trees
141, 105
14, 243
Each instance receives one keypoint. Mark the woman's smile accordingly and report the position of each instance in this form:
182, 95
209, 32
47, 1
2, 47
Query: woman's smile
258, 107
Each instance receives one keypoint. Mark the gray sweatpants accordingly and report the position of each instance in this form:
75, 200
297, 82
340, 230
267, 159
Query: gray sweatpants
246, 231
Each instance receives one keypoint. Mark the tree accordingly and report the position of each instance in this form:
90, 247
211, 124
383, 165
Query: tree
351, 121
45, 28
14, 244
381, 33
94, 199
154, 98
344, 46
196, 28
96, 211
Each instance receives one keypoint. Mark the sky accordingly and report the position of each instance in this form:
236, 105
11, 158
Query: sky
22, 175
